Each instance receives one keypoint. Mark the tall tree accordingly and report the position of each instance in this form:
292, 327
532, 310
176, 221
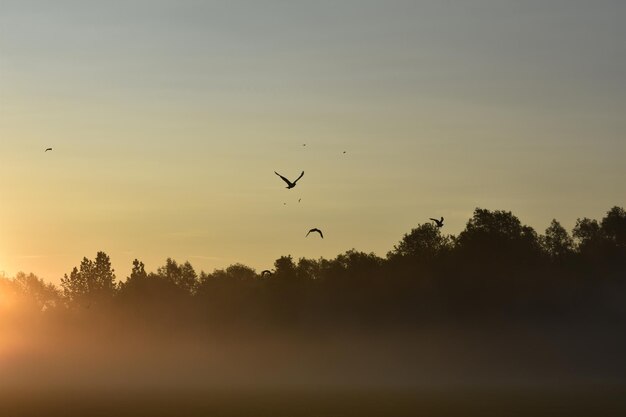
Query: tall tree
498, 236
285, 268
182, 275
137, 277
556, 242
92, 280
614, 226
424, 242
588, 237
36, 291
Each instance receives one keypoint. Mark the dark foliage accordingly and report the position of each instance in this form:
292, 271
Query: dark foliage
496, 267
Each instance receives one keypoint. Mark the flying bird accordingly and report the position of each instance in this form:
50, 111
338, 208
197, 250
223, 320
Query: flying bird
439, 223
315, 229
289, 183
47, 149
266, 272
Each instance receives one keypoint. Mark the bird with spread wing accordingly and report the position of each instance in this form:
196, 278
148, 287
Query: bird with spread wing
315, 230
438, 223
289, 183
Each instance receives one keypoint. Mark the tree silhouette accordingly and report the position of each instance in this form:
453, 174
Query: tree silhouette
613, 226
138, 271
423, 243
603, 243
137, 281
498, 237
497, 266
285, 268
556, 242
183, 275
43, 295
93, 280
587, 233
308, 269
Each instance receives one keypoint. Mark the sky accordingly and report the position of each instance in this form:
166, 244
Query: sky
167, 121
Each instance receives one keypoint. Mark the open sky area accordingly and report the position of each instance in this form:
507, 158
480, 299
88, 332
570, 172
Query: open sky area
168, 119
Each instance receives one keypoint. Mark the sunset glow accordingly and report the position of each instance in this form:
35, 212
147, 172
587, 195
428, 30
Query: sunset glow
369, 208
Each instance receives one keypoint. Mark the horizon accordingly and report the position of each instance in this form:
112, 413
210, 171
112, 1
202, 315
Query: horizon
120, 277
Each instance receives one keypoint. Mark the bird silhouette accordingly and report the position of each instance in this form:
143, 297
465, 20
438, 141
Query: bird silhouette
47, 149
289, 183
266, 272
315, 229
439, 223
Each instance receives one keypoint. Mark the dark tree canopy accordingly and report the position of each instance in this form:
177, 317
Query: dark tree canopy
495, 266
424, 242
92, 280
614, 226
556, 242
181, 275
285, 268
498, 236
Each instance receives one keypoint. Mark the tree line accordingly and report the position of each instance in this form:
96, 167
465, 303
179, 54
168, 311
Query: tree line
496, 267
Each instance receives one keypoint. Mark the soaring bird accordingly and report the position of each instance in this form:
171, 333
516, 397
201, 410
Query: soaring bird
266, 272
439, 223
47, 149
289, 183
315, 229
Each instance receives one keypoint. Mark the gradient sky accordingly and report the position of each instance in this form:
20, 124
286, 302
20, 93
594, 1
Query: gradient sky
168, 119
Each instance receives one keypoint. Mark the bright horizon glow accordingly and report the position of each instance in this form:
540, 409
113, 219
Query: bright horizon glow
167, 120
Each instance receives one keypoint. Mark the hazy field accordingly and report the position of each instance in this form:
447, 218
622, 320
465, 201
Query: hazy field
430, 371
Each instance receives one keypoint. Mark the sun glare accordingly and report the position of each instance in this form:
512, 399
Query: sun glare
7, 300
